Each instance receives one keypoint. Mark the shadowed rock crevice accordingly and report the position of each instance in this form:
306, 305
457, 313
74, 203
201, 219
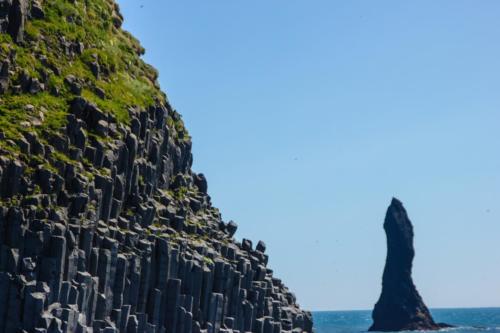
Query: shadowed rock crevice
12, 18
400, 306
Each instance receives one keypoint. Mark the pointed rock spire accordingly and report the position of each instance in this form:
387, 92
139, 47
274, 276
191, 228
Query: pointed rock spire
400, 307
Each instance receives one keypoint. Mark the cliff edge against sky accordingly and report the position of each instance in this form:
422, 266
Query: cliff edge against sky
103, 224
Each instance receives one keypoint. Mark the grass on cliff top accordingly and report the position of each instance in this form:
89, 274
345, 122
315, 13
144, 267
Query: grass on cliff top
126, 80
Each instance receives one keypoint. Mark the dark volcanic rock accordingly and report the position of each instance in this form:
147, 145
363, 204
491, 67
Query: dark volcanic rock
4, 76
104, 226
400, 306
13, 17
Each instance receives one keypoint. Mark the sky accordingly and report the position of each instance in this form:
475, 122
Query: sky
307, 117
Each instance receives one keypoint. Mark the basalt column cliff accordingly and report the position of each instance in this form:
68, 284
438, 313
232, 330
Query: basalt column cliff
400, 306
104, 227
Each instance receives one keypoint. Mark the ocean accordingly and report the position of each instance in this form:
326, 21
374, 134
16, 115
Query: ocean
476, 320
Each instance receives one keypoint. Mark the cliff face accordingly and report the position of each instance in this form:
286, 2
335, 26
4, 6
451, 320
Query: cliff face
103, 224
400, 306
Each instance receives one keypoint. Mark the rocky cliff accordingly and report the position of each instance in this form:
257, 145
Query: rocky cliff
104, 227
400, 307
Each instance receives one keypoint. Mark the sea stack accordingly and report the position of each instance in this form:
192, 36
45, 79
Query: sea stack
400, 307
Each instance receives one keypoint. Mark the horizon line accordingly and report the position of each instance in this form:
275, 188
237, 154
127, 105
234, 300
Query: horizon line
430, 308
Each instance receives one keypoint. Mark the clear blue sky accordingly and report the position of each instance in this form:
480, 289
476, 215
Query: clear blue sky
308, 116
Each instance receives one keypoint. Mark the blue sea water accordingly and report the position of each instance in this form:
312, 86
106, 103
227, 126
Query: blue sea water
476, 320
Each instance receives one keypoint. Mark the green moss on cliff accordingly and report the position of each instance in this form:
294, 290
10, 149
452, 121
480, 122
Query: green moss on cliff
49, 55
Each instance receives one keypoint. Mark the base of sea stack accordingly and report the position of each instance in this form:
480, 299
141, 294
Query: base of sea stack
395, 327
